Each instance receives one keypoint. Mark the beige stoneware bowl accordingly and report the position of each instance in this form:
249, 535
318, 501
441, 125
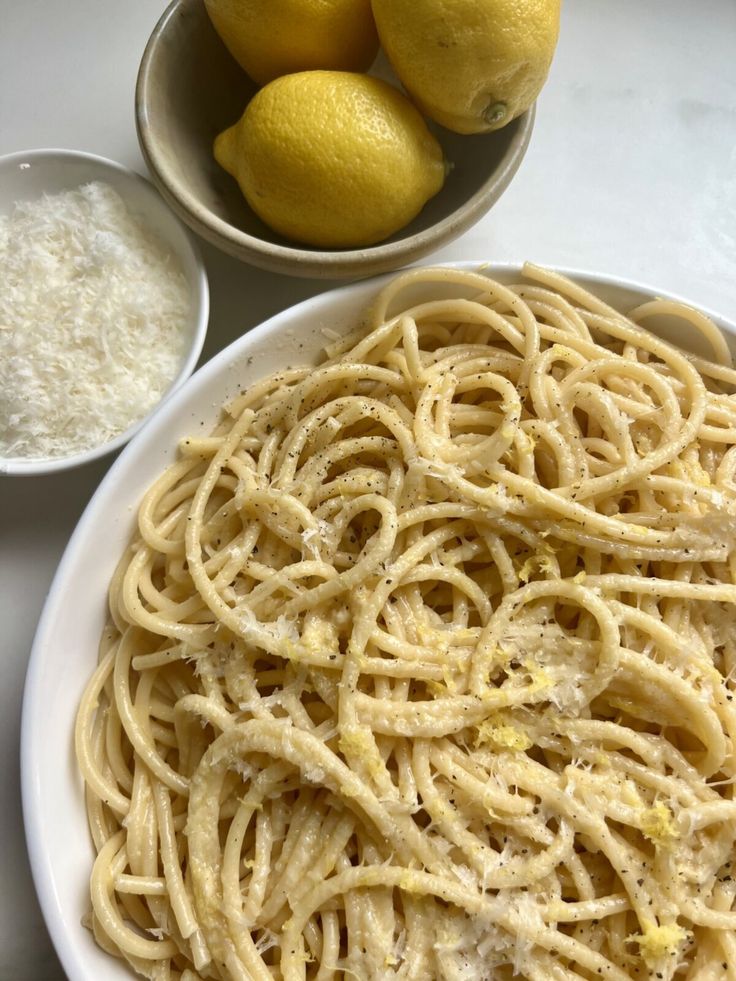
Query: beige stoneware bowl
189, 89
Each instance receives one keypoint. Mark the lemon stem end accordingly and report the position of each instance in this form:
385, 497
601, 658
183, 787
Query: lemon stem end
494, 113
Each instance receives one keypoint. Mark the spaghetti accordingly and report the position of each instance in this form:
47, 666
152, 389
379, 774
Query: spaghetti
421, 664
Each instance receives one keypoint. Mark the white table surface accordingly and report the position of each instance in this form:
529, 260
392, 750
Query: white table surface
631, 171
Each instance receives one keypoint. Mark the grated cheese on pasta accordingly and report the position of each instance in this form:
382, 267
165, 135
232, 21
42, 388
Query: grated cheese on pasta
91, 315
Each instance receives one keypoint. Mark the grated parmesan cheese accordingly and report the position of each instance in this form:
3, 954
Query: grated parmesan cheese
91, 315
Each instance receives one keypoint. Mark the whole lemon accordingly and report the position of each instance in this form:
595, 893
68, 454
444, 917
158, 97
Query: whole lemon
333, 159
269, 38
471, 65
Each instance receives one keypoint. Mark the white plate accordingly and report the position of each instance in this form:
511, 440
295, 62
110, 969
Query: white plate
65, 647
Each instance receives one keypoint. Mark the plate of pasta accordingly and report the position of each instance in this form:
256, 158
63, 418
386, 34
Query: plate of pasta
402, 644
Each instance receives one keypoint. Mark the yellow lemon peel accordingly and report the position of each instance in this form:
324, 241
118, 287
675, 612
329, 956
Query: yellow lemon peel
332, 159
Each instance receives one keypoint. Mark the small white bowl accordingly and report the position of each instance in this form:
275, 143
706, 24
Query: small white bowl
26, 176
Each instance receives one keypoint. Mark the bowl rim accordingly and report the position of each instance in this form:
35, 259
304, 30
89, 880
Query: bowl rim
314, 263
45, 871
199, 284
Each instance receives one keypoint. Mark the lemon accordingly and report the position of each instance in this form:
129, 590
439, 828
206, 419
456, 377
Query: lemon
333, 159
471, 65
269, 38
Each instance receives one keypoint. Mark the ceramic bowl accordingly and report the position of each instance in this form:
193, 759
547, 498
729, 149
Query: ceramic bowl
189, 89
30, 174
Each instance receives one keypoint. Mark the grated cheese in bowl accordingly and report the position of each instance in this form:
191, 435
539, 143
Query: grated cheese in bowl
93, 311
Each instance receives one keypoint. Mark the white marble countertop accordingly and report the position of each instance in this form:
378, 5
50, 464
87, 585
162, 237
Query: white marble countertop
631, 171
